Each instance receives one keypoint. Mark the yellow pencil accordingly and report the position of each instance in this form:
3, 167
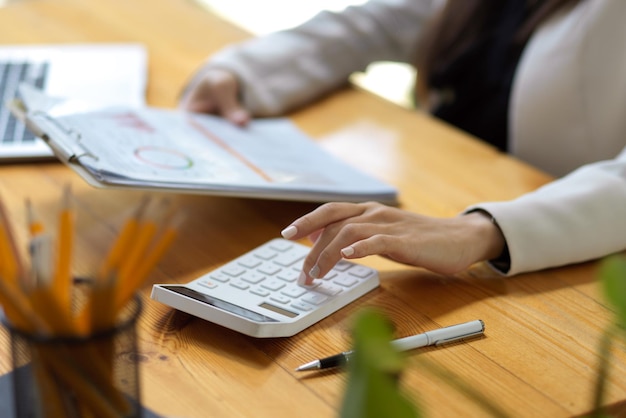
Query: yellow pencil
17, 307
8, 265
94, 314
35, 226
39, 249
146, 232
45, 310
41, 255
19, 310
133, 279
124, 241
13, 265
62, 282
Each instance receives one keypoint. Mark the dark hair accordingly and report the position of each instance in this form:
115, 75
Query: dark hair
460, 22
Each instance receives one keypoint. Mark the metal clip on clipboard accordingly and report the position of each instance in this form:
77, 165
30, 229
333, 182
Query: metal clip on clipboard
65, 142
67, 145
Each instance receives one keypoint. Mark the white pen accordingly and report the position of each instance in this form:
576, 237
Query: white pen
434, 337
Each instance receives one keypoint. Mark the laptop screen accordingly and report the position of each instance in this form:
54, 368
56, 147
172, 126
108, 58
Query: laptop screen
11, 74
98, 72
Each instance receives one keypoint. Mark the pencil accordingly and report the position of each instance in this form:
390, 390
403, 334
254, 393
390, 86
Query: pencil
124, 241
93, 314
17, 307
8, 265
35, 226
135, 277
19, 310
84, 371
39, 249
62, 282
14, 265
145, 233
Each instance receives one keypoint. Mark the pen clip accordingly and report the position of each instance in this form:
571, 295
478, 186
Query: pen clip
460, 337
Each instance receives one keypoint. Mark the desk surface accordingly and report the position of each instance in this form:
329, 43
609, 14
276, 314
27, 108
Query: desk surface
538, 357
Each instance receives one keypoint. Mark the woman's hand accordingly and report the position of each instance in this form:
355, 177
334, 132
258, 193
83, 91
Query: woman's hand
217, 92
355, 230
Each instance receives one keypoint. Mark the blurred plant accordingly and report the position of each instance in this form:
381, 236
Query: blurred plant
375, 368
613, 281
374, 372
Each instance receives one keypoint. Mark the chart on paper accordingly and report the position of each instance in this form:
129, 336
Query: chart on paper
167, 146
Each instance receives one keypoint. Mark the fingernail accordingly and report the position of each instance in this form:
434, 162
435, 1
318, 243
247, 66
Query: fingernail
289, 232
238, 116
347, 252
302, 279
315, 272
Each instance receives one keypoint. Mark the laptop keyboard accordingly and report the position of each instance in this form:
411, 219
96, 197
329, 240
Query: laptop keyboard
11, 75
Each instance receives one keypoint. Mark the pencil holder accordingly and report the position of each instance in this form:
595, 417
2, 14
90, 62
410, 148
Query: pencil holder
92, 376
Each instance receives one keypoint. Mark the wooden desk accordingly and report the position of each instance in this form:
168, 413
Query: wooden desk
538, 357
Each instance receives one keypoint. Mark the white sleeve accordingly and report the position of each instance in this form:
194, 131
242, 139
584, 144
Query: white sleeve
579, 217
283, 70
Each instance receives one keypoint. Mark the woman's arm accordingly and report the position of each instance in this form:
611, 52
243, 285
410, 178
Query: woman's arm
579, 217
283, 70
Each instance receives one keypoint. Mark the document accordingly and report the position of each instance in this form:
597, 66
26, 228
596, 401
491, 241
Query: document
174, 150
113, 73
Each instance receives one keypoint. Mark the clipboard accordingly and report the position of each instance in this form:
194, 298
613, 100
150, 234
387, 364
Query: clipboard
125, 147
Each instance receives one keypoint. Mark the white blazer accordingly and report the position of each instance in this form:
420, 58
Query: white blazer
567, 109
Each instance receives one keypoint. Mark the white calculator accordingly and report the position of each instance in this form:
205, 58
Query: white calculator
257, 293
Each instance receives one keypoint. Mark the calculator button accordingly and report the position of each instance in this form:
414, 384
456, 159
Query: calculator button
252, 277
207, 283
314, 298
302, 306
288, 259
288, 275
360, 271
281, 245
269, 269
346, 281
250, 262
328, 289
233, 270
310, 286
220, 277
273, 284
294, 292
239, 284
280, 299
260, 292
265, 253
342, 265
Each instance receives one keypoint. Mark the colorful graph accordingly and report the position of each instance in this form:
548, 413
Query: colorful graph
164, 158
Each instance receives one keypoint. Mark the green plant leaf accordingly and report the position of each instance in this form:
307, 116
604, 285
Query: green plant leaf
374, 371
613, 278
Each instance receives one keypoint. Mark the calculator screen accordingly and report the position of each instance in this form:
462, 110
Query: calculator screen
221, 304
278, 310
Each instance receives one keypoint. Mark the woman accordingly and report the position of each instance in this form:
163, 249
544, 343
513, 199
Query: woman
543, 80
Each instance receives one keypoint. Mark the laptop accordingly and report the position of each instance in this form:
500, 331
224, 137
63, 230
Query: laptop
104, 73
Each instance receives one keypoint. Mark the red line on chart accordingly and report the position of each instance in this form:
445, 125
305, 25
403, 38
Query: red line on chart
230, 150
